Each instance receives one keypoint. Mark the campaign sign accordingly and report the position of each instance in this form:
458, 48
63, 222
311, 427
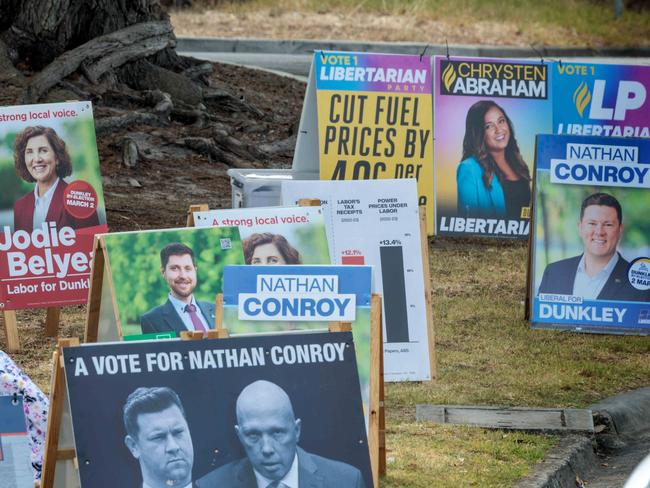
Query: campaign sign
375, 119
601, 100
165, 282
219, 412
591, 240
487, 112
377, 223
275, 235
279, 298
51, 204
15, 463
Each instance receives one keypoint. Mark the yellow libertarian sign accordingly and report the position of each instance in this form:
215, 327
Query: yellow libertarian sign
375, 119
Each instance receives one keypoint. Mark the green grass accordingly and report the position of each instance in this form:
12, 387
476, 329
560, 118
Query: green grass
486, 355
550, 22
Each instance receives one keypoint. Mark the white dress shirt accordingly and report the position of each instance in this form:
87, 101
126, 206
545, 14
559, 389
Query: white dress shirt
589, 287
42, 205
185, 316
290, 480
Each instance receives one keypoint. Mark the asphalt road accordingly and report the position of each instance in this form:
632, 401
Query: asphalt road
294, 57
614, 468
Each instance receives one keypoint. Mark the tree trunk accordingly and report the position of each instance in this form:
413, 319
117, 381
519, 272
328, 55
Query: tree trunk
38, 31
119, 53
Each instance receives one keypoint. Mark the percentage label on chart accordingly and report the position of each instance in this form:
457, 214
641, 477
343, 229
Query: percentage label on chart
390, 242
351, 252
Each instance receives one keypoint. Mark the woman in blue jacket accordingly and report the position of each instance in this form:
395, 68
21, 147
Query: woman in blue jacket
492, 179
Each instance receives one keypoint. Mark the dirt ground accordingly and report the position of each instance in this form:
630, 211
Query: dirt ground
158, 192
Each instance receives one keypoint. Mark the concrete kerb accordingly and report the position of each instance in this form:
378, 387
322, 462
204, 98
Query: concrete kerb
303, 46
622, 415
628, 413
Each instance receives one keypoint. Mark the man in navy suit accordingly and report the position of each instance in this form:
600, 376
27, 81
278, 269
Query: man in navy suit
157, 435
600, 273
269, 431
181, 311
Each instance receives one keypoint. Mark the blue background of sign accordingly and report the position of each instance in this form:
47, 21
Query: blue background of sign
243, 279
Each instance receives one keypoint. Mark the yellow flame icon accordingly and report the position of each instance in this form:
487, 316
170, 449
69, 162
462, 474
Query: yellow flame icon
449, 76
581, 97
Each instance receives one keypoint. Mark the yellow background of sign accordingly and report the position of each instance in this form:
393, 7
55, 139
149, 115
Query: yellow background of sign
396, 165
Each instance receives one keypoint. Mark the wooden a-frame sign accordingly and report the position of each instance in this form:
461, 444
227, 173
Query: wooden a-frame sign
61, 465
102, 318
11, 326
376, 417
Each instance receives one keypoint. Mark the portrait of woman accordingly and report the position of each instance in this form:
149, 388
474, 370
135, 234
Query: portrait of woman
492, 178
267, 248
41, 157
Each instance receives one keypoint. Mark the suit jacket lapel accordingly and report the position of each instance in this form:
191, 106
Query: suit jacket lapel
308, 471
616, 280
207, 313
245, 475
55, 211
171, 317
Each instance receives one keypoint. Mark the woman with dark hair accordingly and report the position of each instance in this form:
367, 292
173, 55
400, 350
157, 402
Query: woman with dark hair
41, 157
267, 248
493, 179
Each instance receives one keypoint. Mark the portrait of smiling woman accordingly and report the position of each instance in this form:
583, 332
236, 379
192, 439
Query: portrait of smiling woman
266, 248
493, 179
41, 157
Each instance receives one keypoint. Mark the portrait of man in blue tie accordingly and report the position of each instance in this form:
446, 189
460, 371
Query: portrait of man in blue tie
181, 311
269, 432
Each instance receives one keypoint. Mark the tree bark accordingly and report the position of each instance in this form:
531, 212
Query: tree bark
41, 30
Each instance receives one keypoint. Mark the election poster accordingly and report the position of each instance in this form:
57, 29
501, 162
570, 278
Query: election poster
610, 100
166, 281
591, 240
232, 410
274, 235
51, 204
15, 464
373, 119
487, 113
387, 211
280, 298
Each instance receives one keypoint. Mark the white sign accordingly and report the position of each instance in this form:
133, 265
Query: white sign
376, 223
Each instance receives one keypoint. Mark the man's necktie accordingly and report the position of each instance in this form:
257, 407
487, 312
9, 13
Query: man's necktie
276, 484
196, 321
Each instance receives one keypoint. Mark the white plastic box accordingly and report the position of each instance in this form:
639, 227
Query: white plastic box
261, 187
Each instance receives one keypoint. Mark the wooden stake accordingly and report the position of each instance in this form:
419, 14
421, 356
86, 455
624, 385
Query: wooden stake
95, 293
309, 202
340, 326
11, 330
202, 207
431, 336
218, 311
52, 321
376, 420
57, 393
191, 335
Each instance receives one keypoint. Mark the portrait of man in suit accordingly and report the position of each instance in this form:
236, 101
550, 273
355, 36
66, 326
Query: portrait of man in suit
181, 311
157, 435
269, 432
600, 272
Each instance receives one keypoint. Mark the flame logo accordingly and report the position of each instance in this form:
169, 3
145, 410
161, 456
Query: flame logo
581, 97
449, 76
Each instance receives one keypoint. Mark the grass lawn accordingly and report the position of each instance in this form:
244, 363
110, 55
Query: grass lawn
486, 355
516, 22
